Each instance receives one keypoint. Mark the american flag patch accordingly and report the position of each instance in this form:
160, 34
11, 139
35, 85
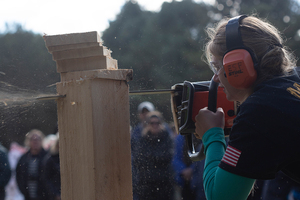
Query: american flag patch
231, 156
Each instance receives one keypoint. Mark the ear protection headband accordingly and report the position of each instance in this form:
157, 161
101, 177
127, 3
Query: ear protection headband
239, 61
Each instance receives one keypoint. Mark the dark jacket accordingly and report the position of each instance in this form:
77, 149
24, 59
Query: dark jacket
182, 161
152, 160
23, 177
153, 157
52, 175
5, 171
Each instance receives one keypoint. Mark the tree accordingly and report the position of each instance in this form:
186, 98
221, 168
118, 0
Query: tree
27, 70
163, 48
166, 47
282, 14
25, 61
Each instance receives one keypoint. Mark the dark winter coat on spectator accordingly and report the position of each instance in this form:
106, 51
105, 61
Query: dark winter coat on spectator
52, 175
5, 171
192, 189
152, 159
23, 176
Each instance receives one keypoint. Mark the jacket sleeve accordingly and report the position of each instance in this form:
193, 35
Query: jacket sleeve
5, 171
48, 177
177, 162
166, 154
218, 183
20, 175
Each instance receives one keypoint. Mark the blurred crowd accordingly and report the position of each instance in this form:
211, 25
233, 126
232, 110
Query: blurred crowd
31, 171
161, 168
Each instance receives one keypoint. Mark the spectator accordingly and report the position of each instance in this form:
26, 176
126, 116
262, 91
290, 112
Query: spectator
52, 172
5, 172
152, 160
14, 154
48, 141
143, 109
30, 168
188, 174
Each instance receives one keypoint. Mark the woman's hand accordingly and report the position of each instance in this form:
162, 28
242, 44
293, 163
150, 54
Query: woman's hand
207, 119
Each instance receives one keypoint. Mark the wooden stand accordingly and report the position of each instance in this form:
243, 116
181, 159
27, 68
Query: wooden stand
93, 119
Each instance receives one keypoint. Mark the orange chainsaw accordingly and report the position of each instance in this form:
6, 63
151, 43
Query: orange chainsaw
186, 102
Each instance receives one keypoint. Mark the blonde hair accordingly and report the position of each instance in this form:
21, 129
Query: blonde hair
262, 38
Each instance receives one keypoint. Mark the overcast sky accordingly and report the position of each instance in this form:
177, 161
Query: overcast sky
54, 17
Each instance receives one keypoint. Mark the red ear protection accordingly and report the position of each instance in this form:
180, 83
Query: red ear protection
239, 68
239, 61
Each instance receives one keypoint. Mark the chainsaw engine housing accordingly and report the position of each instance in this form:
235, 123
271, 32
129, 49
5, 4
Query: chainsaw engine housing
190, 97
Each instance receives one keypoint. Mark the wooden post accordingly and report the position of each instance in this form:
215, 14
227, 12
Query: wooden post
93, 119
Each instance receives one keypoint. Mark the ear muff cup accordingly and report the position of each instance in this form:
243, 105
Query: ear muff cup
239, 68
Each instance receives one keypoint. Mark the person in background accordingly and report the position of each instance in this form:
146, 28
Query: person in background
30, 167
152, 160
188, 174
14, 154
52, 172
49, 141
143, 109
5, 172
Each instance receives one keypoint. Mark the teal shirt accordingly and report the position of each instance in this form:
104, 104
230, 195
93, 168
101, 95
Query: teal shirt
218, 183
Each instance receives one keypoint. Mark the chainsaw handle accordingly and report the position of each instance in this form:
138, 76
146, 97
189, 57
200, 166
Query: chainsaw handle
212, 96
212, 106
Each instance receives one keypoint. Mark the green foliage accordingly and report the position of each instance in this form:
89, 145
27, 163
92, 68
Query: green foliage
166, 47
26, 62
26, 71
162, 48
282, 14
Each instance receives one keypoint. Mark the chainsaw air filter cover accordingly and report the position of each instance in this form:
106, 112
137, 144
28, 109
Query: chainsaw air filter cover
194, 96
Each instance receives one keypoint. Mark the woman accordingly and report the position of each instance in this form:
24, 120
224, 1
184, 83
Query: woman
29, 170
266, 132
153, 160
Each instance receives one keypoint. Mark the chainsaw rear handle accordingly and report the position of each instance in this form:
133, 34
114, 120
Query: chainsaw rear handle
212, 106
